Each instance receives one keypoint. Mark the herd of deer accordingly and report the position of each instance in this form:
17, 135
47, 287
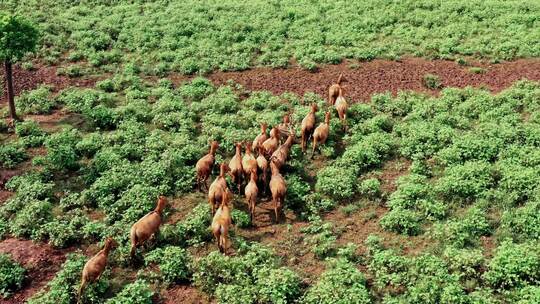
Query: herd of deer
272, 154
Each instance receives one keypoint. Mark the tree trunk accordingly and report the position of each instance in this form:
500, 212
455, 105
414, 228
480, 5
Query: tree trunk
9, 87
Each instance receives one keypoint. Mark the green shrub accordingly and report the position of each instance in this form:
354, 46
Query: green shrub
431, 81
174, 263
297, 190
241, 219
12, 154
194, 229
341, 283
523, 223
370, 187
466, 263
61, 149
63, 288
514, 265
467, 181
401, 220
277, 286
137, 292
197, 89
235, 294
28, 222
30, 133
336, 182
11, 275
38, 101
466, 230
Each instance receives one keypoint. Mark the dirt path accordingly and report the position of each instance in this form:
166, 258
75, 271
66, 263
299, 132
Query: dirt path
41, 261
365, 78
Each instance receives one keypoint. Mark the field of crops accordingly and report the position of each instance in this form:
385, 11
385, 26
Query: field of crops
425, 197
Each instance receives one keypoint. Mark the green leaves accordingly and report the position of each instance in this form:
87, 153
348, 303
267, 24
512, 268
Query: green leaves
18, 36
11, 275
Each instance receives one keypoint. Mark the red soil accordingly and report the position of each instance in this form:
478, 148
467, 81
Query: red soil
183, 294
364, 78
376, 76
41, 261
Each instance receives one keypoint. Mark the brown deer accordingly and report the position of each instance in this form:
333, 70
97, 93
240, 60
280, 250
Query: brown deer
251, 193
278, 187
236, 167
285, 126
262, 164
205, 165
341, 107
333, 90
93, 269
147, 226
221, 222
308, 126
279, 157
249, 163
271, 144
320, 135
217, 188
258, 141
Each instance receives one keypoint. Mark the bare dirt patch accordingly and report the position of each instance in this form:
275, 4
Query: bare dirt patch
183, 294
367, 78
41, 261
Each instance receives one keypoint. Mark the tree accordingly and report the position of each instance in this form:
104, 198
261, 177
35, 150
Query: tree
17, 37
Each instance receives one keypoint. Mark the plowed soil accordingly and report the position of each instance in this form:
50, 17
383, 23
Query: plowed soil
364, 78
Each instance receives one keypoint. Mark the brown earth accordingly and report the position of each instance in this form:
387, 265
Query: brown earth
41, 261
367, 78
364, 78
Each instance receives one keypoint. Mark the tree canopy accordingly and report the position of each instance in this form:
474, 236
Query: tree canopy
18, 36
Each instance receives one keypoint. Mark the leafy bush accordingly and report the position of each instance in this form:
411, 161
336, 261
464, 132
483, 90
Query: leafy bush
402, 221
28, 222
523, 223
467, 181
11, 275
137, 292
61, 149
514, 265
370, 187
174, 263
194, 229
63, 288
277, 286
241, 219
38, 101
30, 133
12, 154
341, 283
336, 182
431, 81
465, 230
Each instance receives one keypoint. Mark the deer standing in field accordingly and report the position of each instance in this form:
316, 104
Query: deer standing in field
279, 157
236, 167
271, 144
285, 126
217, 188
262, 164
320, 135
251, 193
249, 162
221, 222
342, 107
333, 90
93, 269
147, 226
205, 165
258, 141
308, 126
278, 188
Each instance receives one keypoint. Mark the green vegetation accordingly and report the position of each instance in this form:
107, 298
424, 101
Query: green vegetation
11, 275
235, 35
